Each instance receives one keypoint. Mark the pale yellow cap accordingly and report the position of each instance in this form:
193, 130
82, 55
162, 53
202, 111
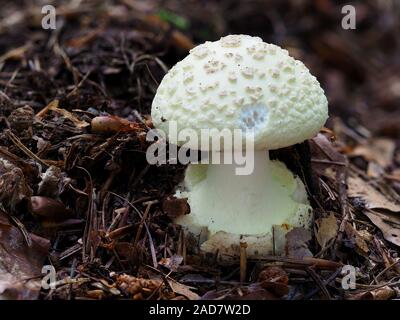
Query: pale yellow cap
241, 82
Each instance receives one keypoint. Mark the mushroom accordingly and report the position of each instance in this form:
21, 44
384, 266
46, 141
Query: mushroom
241, 82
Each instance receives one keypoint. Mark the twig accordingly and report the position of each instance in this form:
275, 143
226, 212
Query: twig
329, 162
152, 249
308, 261
24, 149
386, 269
146, 212
243, 260
318, 281
325, 282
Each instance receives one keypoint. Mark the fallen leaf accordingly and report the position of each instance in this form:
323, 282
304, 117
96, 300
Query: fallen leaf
183, 290
171, 263
383, 293
388, 222
358, 239
380, 209
326, 159
380, 150
358, 188
20, 265
327, 230
374, 170
296, 243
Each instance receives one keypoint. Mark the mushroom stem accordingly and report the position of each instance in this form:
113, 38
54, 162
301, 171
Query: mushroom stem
222, 201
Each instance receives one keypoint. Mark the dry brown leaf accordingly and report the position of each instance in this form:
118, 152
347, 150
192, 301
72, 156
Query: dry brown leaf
383, 293
380, 150
20, 265
358, 188
323, 148
388, 223
296, 243
183, 290
359, 239
381, 210
327, 230
171, 263
374, 170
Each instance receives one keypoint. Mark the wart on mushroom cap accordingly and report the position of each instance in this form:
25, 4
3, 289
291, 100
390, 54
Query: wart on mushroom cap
242, 82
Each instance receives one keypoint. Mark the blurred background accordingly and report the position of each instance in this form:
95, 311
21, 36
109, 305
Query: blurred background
113, 41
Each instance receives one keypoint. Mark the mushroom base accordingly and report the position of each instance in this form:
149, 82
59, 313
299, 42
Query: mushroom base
258, 209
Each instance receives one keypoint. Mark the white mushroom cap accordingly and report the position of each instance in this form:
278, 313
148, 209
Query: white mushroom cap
241, 82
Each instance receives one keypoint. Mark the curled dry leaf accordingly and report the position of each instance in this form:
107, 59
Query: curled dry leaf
327, 230
20, 265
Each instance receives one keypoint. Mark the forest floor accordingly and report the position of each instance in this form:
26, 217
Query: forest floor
87, 202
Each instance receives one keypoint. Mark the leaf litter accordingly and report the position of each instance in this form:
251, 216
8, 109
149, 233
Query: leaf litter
77, 193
